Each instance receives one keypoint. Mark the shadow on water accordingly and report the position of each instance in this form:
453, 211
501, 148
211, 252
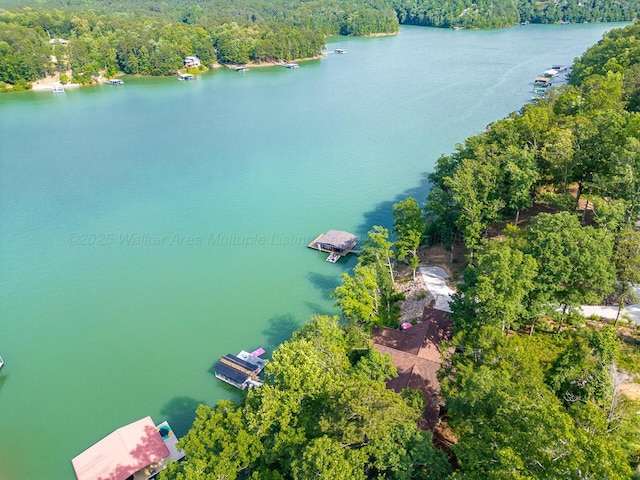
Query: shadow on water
325, 283
315, 309
180, 413
382, 214
279, 330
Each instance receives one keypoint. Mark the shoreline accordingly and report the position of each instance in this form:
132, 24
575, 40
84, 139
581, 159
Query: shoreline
234, 66
47, 83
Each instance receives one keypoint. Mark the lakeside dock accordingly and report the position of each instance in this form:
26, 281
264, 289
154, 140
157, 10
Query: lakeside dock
336, 243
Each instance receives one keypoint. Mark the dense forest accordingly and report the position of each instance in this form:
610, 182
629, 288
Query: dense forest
152, 37
545, 203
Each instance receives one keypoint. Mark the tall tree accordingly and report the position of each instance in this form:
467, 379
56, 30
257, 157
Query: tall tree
574, 262
475, 189
626, 257
495, 289
408, 227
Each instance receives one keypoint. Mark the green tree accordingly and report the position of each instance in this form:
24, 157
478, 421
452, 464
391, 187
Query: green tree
574, 262
626, 257
495, 289
475, 189
409, 227
359, 296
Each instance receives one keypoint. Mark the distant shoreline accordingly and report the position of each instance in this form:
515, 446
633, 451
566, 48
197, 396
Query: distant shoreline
46, 83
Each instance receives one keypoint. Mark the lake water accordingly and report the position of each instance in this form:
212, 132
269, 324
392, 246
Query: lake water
148, 229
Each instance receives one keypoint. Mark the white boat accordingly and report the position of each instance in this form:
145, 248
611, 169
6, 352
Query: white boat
57, 88
1, 362
185, 76
116, 82
242, 69
291, 65
339, 50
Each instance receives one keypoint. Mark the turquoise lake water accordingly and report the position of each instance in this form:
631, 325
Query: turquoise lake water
148, 229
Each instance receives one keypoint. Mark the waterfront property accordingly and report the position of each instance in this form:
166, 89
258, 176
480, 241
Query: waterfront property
336, 243
197, 163
241, 370
191, 62
136, 451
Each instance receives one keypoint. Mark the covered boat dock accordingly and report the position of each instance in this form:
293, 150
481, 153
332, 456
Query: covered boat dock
336, 243
139, 451
241, 370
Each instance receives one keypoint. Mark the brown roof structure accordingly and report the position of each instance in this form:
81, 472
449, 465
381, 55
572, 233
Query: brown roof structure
338, 239
415, 352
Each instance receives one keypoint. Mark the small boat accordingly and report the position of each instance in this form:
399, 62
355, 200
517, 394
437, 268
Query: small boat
524, 23
116, 81
185, 76
291, 65
341, 51
1, 362
242, 69
333, 257
57, 88
551, 73
457, 28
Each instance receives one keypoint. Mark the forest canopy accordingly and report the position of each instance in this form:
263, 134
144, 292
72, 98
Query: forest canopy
152, 37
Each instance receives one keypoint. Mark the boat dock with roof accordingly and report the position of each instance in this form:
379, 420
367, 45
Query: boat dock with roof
241, 370
336, 243
137, 451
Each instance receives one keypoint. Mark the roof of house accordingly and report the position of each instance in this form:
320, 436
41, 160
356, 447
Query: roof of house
338, 239
122, 453
415, 353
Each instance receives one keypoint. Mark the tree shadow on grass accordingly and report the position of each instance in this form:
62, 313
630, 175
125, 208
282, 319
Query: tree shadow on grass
180, 413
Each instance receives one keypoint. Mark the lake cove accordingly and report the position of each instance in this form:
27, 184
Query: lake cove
148, 230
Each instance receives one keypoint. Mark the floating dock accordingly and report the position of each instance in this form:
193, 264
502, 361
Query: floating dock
241, 370
336, 243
